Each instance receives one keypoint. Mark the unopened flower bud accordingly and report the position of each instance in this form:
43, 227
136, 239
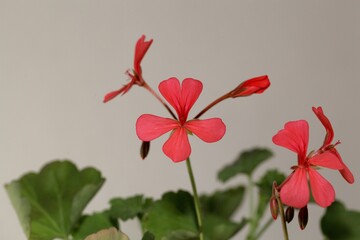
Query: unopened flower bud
251, 86
303, 217
289, 214
144, 149
274, 207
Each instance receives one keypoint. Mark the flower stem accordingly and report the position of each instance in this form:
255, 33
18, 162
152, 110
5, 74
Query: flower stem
196, 199
282, 215
211, 105
147, 87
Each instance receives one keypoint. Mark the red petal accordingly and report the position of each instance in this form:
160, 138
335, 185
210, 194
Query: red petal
326, 123
322, 191
149, 127
294, 136
295, 191
111, 95
190, 92
170, 89
326, 159
345, 172
140, 50
177, 147
208, 130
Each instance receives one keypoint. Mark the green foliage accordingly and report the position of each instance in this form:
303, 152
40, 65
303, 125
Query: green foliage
89, 224
49, 203
265, 189
108, 234
148, 236
338, 223
223, 203
128, 208
173, 212
246, 163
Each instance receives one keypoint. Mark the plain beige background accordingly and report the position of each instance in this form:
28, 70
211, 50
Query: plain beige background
59, 58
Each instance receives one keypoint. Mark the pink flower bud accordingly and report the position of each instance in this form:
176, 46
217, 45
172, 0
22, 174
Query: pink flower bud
274, 208
254, 85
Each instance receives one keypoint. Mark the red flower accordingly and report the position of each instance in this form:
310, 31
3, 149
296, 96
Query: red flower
181, 98
328, 146
136, 77
294, 191
251, 86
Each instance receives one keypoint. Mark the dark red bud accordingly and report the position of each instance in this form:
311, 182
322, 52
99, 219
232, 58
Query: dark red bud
274, 208
289, 214
144, 149
303, 217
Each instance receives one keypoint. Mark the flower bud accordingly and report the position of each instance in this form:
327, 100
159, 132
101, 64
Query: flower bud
274, 207
144, 149
251, 86
303, 217
289, 214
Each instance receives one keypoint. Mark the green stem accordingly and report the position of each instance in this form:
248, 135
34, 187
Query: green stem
196, 199
254, 220
282, 214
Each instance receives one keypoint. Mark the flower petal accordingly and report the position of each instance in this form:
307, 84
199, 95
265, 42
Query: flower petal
149, 127
326, 123
208, 130
177, 147
295, 191
294, 136
111, 95
171, 91
140, 50
322, 191
326, 159
190, 92
345, 172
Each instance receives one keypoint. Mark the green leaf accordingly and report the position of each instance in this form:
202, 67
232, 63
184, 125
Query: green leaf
338, 223
223, 203
265, 189
148, 236
173, 212
246, 163
181, 235
129, 208
108, 234
50, 203
90, 224
219, 228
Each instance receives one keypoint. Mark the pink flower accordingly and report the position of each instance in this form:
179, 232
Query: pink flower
328, 146
136, 77
181, 98
294, 191
254, 85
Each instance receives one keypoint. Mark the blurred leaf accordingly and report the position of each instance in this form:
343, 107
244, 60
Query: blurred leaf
181, 235
49, 203
90, 224
246, 163
223, 203
108, 234
173, 212
148, 236
219, 228
338, 223
129, 207
265, 189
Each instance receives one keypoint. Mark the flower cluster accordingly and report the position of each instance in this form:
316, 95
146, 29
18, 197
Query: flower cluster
294, 191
